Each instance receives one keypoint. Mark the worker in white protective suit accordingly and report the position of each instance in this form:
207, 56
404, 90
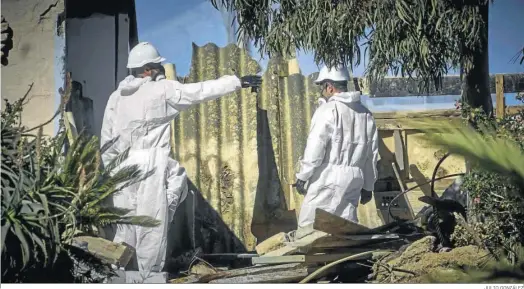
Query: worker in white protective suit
137, 117
340, 159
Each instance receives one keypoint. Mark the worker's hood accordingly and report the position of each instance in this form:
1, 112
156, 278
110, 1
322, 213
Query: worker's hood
131, 84
346, 97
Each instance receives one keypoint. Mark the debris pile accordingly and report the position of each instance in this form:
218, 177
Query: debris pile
419, 263
315, 253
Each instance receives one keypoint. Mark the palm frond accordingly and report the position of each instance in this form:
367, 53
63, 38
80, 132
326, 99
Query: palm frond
484, 148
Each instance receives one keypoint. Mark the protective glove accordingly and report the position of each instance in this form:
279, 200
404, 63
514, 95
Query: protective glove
251, 81
300, 185
365, 196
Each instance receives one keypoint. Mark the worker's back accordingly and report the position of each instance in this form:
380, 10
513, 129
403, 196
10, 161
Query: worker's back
353, 129
339, 159
143, 117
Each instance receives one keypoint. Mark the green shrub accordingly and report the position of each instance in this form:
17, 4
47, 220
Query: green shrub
49, 197
497, 199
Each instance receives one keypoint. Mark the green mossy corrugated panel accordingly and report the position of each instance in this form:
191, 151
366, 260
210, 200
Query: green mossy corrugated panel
242, 151
216, 141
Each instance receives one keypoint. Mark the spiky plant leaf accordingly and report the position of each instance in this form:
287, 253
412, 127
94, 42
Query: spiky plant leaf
49, 197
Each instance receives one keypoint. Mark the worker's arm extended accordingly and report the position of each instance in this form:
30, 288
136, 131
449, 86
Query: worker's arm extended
319, 136
370, 169
182, 96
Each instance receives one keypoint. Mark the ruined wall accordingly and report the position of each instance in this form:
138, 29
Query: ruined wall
32, 59
242, 150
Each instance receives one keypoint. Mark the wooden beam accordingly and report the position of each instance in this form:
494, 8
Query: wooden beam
451, 85
399, 150
393, 245
306, 259
112, 253
271, 244
514, 109
240, 272
332, 242
398, 177
281, 276
418, 114
286, 250
501, 101
335, 225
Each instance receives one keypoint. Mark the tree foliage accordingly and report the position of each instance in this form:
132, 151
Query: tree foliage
422, 38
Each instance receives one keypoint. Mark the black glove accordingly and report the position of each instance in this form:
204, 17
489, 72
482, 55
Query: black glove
251, 81
300, 185
365, 196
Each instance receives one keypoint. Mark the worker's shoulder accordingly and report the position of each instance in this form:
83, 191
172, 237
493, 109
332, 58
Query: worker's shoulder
359, 108
326, 109
328, 106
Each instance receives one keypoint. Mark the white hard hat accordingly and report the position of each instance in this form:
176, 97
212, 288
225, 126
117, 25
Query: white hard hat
142, 54
339, 73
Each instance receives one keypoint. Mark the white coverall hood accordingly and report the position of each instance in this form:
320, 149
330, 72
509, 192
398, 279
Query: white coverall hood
139, 114
340, 158
346, 97
131, 84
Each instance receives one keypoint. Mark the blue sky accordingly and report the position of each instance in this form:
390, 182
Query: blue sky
172, 26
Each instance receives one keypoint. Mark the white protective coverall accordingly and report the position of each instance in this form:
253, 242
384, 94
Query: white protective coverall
139, 114
340, 158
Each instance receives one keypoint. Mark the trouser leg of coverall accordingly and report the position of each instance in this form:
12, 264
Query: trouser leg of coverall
152, 202
126, 199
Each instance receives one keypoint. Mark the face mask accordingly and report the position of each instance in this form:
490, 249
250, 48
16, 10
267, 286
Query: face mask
156, 75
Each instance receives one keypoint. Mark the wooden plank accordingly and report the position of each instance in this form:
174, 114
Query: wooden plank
501, 101
336, 225
280, 276
286, 250
451, 85
271, 244
329, 241
399, 150
403, 120
112, 253
271, 260
248, 271
294, 247
417, 114
363, 247
398, 177
191, 279
514, 109
306, 259
332, 242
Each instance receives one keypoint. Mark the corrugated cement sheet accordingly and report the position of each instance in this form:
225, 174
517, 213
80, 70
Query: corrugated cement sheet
217, 144
242, 152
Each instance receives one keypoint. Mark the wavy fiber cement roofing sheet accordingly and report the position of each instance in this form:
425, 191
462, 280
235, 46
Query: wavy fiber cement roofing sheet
241, 151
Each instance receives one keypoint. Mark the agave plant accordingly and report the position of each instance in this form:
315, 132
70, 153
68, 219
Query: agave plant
49, 197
